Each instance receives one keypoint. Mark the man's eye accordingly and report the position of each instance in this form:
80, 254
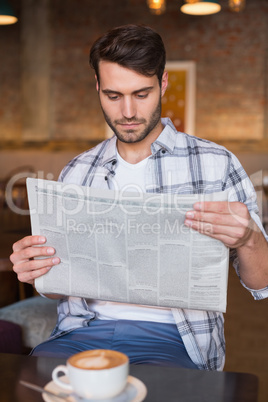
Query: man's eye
142, 96
113, 97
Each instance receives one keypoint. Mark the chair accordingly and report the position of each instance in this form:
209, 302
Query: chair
10, 337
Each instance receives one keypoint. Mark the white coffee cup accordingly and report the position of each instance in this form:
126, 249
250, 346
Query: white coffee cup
97, 373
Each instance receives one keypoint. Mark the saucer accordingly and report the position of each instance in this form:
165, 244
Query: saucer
135, 391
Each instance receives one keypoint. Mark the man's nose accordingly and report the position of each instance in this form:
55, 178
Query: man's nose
129, 108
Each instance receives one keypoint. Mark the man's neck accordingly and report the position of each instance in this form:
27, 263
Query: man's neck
132, 153
137, 151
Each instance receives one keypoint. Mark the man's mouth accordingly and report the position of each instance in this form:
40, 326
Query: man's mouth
129, 126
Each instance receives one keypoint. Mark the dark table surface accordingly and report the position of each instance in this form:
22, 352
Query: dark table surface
163, 384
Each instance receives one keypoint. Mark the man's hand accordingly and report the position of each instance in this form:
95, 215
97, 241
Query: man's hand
24, 251
229, 222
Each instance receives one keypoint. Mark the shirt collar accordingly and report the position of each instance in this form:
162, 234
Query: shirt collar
110, 152
166, 139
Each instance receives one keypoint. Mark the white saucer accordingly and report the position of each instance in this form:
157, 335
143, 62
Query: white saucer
135, 391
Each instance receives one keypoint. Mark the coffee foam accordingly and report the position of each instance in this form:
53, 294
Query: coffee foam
98, 362
98, 359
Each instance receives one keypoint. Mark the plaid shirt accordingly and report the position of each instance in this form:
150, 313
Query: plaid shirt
186, 165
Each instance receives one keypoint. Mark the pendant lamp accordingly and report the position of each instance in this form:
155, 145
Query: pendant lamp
7, 15
237, 5
157, 7
200, 7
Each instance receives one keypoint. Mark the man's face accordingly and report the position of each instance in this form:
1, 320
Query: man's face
131, 102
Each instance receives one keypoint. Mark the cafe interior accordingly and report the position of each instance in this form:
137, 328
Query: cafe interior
50, 112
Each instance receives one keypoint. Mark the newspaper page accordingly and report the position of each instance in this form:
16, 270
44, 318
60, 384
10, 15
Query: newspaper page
128, 247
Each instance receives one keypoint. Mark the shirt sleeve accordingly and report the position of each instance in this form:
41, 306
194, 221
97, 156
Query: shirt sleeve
243, 191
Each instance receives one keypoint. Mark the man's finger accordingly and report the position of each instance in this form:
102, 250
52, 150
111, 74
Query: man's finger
218, 219
28, 241
31, 252
222, 207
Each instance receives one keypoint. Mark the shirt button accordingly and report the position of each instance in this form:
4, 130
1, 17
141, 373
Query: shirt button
163, 151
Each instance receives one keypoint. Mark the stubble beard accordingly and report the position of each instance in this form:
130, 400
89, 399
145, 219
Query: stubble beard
129, 135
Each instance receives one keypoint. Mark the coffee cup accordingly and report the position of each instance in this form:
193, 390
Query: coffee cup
97, 373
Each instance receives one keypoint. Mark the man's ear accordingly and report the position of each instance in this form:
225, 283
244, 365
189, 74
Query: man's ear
97, 84
164, 83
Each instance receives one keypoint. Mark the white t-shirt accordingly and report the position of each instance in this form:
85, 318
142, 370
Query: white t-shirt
131, 177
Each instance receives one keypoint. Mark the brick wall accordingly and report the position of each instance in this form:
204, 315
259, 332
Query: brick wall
48, 90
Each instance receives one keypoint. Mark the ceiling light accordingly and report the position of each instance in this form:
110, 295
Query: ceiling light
157, 7
199, 7
7, 15
237, 5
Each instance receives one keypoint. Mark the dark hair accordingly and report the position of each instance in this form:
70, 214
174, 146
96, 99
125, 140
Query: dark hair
136, 47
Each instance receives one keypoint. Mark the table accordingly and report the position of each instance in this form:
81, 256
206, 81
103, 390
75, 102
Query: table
164, 384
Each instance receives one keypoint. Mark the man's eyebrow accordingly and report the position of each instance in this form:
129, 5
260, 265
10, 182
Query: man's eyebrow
143, 89
111, 91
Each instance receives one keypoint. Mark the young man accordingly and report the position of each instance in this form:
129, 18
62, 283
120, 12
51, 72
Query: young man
143, 154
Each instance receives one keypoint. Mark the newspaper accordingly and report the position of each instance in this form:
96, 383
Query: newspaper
128, 247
